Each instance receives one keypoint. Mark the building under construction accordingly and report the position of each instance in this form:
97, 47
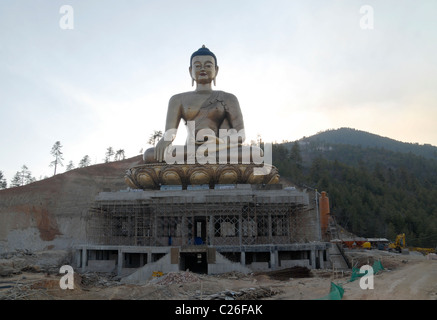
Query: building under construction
229, 228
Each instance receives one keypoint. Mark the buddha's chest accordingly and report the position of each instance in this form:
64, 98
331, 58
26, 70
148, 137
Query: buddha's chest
200, 106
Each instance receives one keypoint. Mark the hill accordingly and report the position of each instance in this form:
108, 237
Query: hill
377, 186
369, 140
51, 213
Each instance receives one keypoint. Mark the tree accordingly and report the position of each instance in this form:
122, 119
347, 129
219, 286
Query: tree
26, 176
154, 137
16, 180
109, 153
119, 155
70, 166
56, 152
295, 154
3, 183
85, 162
22, 177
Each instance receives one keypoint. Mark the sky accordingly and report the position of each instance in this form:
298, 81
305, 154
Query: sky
103, 78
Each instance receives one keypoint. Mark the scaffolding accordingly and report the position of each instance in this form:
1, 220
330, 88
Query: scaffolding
218, 220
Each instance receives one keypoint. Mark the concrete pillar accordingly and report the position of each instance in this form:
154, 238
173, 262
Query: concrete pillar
322, 265
78, 258
273, 259
243, 258
313, 259
149, 256
120, 262
84, 258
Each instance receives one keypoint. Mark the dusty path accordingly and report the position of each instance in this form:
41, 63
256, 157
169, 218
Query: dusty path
416, 280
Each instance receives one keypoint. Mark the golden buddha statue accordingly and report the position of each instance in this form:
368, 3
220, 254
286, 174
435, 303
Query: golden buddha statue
214, 151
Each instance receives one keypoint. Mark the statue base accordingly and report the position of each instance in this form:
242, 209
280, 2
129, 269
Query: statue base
154, 175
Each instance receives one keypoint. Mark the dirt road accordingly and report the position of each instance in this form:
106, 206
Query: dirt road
416, 280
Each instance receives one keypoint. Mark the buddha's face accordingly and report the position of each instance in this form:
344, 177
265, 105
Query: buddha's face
203, 69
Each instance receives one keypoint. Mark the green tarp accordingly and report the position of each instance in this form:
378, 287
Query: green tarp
336, 292
377, 266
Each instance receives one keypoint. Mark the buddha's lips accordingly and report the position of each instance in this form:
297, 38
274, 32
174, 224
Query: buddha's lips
203, 74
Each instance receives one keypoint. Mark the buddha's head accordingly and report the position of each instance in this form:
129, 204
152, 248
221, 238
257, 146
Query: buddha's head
203, 66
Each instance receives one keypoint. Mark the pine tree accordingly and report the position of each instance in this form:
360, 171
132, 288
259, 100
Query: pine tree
3, 183
154, 137
26, 176
119, 155
22, 177
16, 180
70, 166
56, 152
295, 154
109, 153
85, 162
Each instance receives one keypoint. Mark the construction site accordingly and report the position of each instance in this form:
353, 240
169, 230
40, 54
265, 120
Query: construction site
228, 243
242, 228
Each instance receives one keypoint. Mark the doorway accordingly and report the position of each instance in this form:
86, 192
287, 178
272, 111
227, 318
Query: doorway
194, 261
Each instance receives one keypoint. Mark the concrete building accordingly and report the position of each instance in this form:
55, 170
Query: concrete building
230, 228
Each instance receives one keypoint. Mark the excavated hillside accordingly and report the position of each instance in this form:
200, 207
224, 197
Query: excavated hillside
50, 214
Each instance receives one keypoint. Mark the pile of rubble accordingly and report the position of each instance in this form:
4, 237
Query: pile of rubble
20, 291
242, 294
177, 278
96, 279
41, 261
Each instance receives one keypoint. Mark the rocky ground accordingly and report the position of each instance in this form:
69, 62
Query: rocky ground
35, 276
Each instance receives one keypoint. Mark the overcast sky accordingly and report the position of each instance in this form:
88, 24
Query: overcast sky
296, 67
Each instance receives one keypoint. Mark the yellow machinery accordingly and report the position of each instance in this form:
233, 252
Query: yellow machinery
399, 244
367, 245
423, 251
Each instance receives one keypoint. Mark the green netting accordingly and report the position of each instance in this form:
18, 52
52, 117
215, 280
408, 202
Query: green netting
377, 266
336, 292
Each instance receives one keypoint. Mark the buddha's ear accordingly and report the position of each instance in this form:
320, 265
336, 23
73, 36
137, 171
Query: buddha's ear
190, 69
216, 72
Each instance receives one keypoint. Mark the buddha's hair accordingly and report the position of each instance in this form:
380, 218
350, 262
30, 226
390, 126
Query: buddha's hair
203, 52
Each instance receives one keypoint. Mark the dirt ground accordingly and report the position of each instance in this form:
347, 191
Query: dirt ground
410, 277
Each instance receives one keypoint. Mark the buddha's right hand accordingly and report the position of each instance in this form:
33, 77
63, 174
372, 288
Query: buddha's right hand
160, 148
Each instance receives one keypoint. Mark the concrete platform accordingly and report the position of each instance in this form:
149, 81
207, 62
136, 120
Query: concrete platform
127, 260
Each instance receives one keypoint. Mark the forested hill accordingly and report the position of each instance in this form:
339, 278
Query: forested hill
378, 187
366, 139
